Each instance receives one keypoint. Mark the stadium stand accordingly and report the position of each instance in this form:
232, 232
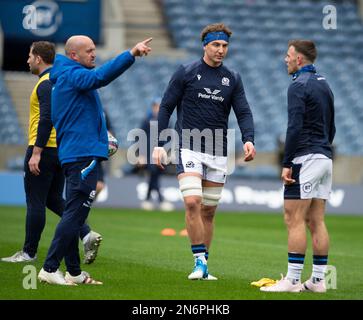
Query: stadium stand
9, 124
257, 51
261, 29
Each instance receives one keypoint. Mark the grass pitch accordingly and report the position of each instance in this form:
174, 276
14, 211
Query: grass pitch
136, 262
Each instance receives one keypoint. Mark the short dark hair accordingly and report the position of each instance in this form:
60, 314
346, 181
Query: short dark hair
215, 27
45, 50
305, 47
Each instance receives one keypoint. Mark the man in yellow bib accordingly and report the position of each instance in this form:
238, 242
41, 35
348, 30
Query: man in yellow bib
43, 176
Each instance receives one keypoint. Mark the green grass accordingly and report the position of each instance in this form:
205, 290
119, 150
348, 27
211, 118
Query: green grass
136, 262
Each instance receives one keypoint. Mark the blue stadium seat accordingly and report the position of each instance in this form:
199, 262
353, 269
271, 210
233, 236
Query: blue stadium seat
10, 129
261, 31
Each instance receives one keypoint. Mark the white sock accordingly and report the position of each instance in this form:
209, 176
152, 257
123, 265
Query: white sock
86, 237
294, 271
201, 256
319, 271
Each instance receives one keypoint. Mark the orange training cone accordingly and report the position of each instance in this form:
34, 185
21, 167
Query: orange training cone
168, 232
183, 233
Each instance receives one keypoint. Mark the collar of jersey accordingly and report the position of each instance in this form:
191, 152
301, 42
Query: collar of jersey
45, 72
211, 66
307, 68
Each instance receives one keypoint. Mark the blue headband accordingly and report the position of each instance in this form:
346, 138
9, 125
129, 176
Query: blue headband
212, 36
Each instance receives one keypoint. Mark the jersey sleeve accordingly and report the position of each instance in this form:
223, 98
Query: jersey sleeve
86, 79
172, 98
243, 112
45, 125
296, 111
332, 130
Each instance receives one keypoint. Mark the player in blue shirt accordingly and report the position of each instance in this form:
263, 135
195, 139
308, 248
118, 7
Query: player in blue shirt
204, 92
43, 176
82, 141
307, 167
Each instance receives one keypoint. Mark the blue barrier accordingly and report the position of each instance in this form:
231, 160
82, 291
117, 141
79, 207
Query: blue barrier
11, 189
238, 195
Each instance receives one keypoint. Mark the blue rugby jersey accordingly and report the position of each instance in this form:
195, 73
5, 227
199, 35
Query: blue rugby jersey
77, 113
203, 96
311, 127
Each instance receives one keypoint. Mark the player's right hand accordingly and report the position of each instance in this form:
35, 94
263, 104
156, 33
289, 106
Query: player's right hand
159, 157
34, 164
286, 176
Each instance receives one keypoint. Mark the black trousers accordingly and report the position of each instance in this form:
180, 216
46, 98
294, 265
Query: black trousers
154, 181
81, 180
42, 191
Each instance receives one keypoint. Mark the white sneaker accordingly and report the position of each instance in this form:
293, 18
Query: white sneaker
310, 286
147, 205
83, 278
19, 256
283, 285
166, 206
53, 278
200, 270
210, 277
91, 247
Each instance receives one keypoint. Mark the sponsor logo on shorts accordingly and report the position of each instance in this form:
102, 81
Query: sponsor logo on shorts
92, 195
307, 187
189, 164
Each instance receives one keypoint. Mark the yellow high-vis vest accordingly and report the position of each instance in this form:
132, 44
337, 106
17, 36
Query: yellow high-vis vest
34, 116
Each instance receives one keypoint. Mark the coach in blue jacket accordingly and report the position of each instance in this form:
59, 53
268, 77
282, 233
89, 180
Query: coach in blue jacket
82, 143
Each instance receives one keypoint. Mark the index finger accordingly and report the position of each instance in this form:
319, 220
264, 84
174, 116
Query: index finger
159, 164
249, 151
288, 180
146, 41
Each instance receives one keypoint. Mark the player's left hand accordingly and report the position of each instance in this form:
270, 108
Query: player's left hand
249, 150
141, 48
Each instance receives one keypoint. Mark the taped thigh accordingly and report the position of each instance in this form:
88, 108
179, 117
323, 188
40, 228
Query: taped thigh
190, 186
211, 196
